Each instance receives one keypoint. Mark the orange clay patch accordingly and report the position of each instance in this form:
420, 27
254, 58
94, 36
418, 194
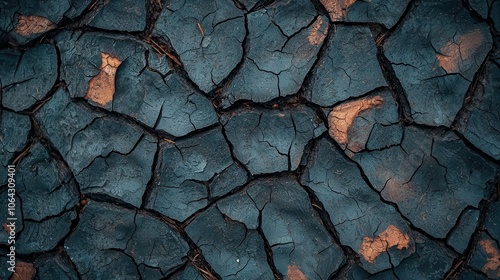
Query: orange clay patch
294, 273
397, 192
6, 228
342, 116
337, 8
24, 271
371, 248
316, 35
27, 25
102, 87
492, 266
453, 53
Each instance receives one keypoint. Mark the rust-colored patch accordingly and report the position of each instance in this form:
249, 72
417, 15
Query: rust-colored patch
294, 273
102, 87
24, 271
397, 192
6, 228
342, 116
371, 248
453, 53
27, 25
316, 35
337, 9
492, 266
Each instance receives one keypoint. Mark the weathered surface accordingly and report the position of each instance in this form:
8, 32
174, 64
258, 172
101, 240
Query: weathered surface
54, 266
210, 44
44, 185
362, 221
24, 20
487, 9
122, 15
132, 80
280, 208
45, 235
14, 129
378, 11
348, 68
276, 64
482, 127
27, 78
437, 63
268, 141
486, 256
185, 166
234, 251
366, 123
432, 176
430, 261
106, 155
250, 139
110, 241
461, 234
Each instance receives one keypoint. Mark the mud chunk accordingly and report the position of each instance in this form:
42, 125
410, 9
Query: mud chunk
437, 63
348, 67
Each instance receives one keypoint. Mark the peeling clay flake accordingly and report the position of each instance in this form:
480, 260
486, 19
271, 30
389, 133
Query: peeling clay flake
294, 273
102, 87
371, 248
342, 116
492, 266
27, 25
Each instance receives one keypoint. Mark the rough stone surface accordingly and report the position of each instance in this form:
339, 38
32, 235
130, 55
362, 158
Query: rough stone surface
461, 234
140, 84
378, 11
362, 221
348, 68
250, 139
234, 251
486, 256
185, 167
276, 64
24, 20
482, 127
281, 210
430, 261
432, 176
45, 235
128, 15
369, 123
487, 9
211, 42
54, 266
27, 78
437, 63
268, 141
14, 129
44, 185
116, 240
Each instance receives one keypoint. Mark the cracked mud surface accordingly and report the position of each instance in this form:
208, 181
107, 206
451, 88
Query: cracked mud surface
251, 139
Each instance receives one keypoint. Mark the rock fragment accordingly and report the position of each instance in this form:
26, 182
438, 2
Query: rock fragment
348, 68
437, 63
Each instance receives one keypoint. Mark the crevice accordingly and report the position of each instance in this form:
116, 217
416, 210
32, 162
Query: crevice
269, 251
397, 90
155, 171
